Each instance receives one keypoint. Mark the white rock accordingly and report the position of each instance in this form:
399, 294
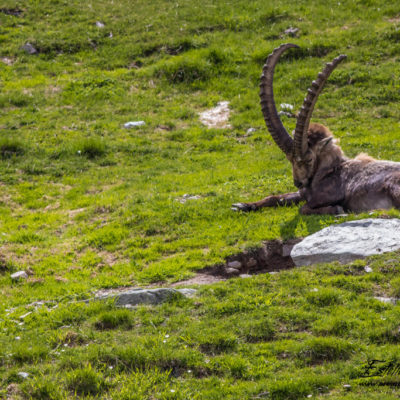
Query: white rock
348, 241
368, 269
133, 124
387, 300
216, 117
19, 275
99, 24
23, 375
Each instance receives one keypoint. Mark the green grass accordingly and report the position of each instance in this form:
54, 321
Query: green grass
87, 204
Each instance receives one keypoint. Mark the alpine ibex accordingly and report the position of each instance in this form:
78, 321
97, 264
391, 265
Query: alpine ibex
328, 181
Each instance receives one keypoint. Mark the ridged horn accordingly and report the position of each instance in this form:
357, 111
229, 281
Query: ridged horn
271, 117
304, 116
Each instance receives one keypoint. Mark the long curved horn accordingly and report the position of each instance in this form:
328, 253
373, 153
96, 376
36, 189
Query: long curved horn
271, 117
303, 119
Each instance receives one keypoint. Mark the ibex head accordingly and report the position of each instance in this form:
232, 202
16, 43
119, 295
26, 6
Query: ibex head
312, 144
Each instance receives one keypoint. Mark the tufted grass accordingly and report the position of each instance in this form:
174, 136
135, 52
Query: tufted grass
87, 204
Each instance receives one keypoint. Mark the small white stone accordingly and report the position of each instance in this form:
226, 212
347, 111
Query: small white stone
25, 315
368, 269
17, 338
133, 124
387, 300
19, 275
23, 375
99, 24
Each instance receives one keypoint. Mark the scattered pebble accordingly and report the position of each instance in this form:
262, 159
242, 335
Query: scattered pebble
368, 269
133, 124
23, 375
234, 264
7, 61
25, 315
19, 275
28, 48
291, 31
187, 197
251, 130
231, 271
100, 24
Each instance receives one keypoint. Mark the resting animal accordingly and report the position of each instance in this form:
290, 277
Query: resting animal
328, 181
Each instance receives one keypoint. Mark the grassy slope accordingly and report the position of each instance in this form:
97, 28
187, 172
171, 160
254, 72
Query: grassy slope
85, 203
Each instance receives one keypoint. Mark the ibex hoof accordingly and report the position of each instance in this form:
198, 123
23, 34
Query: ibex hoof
242, 207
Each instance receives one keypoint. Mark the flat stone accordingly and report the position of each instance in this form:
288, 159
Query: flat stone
348, 241
234, 264
232, 271
147, 296
19, 275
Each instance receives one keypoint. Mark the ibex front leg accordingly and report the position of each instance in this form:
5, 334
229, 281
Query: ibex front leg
286, 199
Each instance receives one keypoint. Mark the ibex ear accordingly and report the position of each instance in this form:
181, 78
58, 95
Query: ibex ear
324, 142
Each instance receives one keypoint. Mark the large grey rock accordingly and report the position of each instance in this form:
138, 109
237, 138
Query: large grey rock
348, 241
147, 296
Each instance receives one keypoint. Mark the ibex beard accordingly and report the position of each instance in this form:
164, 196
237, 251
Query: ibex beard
328, 181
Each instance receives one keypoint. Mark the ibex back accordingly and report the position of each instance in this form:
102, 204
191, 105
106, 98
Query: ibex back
328, 181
